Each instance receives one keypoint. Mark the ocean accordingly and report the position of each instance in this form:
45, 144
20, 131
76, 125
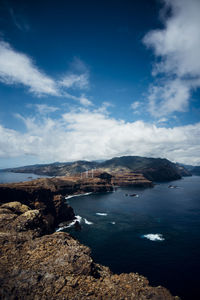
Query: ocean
156, 233
9, 177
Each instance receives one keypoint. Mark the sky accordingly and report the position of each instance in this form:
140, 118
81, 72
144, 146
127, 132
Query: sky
91, 80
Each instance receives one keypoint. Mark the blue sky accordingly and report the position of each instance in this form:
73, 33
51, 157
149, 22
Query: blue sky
97, 79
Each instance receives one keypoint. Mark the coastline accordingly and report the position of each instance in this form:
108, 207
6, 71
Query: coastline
29, 214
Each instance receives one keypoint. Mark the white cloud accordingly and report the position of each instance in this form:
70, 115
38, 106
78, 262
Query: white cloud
44, 109
162, 120
18, 68
84, 100
104, 107
135, 105
78, 66
81, 99
93, 135
168, 97
177, 49
75, 81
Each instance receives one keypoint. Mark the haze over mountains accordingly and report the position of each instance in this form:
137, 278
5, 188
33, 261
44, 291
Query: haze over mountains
155, 169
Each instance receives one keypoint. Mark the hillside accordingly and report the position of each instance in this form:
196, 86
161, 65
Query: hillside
154, 169
56, 169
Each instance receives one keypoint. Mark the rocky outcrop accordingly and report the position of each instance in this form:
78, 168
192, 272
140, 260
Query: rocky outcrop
52, 208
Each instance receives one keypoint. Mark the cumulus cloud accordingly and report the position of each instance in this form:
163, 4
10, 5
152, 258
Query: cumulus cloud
91, 135
176, 47
19, 69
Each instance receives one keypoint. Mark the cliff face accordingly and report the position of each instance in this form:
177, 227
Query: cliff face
52, 207
130, 179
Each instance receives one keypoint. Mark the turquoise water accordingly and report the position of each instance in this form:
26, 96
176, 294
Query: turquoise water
117, 229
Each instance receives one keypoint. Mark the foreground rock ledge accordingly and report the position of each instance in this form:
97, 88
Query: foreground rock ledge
37, 265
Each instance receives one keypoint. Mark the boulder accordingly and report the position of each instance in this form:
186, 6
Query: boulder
16, 207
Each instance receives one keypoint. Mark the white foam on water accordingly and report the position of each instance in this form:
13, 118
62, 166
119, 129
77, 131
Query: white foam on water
78, 195
101, 214
113, 223
87, 222
154, 237
61, 228
77, 218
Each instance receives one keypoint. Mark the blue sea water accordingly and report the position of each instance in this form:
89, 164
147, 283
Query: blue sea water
156, 234
10, 177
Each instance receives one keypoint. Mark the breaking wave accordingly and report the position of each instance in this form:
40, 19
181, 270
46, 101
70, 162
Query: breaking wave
78, 195
77, 218
101, 214
87, 222
154, 237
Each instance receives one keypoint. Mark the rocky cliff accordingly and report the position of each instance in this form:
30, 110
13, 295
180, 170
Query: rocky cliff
36, 263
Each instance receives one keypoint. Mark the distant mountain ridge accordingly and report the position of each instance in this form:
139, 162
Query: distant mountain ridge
194, 170
154, 169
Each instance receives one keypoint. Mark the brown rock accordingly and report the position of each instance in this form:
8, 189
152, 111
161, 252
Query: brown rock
58, 267
16, 207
